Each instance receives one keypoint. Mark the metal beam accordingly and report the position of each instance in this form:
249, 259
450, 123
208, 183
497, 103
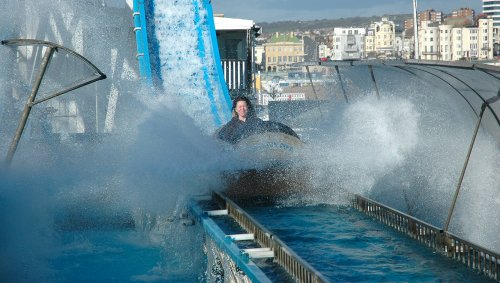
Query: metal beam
29, 104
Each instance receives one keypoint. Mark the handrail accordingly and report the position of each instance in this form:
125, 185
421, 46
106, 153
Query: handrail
471, 255
229, 247
300, 270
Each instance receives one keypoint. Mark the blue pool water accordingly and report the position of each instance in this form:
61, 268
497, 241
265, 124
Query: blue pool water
347, 246
106, 256
119, 256
341, 243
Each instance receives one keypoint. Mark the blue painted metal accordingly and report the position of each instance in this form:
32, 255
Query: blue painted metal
202, 54
252, 271
153, 44
142, 40
215, 48
150, 63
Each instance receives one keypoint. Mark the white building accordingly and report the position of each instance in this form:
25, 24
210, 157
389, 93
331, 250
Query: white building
324, 51
348, 43
486, 35
384, 37
492, 9
460, 43
428, 37
445, 43
448, 43
408, 44
398, 46
259, 54
370, 43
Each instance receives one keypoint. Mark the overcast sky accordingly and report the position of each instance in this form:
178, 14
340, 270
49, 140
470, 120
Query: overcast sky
278, 10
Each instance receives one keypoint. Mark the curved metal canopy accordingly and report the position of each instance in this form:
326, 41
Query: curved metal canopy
51, 48
478, 85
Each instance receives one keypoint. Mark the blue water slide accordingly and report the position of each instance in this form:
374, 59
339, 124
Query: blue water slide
178, 52
141, 39
215, 48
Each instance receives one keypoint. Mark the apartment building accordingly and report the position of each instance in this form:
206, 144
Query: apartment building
408, 39
446, 42
492, 9
380, 39
445, 48
430, 16
282, 50
427, 15
463, 13
428, 36
370, 43
460, 43
486, 35
408, 23
324, 51
348, 43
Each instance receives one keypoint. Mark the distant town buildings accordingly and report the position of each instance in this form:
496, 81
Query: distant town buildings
460, 35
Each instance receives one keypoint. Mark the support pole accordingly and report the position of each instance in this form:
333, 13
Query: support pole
415, 30
341, 84
373, 79
311, 81
29, 104
314, 90
460, 180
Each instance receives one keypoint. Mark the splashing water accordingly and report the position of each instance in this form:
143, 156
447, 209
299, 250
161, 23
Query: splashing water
397, 149
407, 152
134, 169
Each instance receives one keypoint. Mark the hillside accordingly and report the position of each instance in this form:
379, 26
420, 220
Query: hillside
328, 24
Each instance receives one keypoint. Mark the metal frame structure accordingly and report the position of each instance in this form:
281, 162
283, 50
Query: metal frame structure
421, 65
440, 70
49, 52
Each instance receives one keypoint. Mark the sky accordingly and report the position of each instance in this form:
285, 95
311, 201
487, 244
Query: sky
279, 10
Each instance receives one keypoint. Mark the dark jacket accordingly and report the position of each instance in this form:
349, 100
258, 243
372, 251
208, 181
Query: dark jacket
235, 130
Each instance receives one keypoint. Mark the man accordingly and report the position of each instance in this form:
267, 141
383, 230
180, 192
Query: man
244, 122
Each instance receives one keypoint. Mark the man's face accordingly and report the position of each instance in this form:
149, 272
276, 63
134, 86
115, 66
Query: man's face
242, 109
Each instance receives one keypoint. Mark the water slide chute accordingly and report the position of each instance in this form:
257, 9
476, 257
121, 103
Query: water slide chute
178, 53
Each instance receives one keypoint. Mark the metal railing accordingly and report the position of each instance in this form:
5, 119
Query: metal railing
235, 74
472, 256
298, 268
